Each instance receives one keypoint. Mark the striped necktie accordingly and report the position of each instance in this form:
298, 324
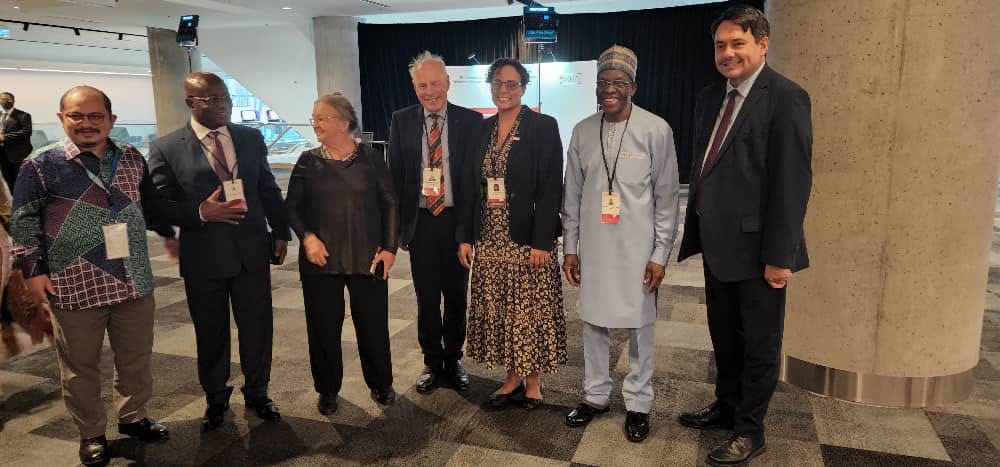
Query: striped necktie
435, 156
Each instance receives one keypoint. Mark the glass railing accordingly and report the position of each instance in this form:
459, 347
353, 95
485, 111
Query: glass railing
284, 141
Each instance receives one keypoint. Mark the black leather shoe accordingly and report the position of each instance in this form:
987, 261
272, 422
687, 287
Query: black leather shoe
427, 382
266, 409
327, 404
457, 376
146, 429
636, 426
531, 403
499, 400
582, 415
714, 417
384, 396
94, 451
736, 450
214, 415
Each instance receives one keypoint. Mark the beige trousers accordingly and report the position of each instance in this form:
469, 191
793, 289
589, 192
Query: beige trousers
79, 339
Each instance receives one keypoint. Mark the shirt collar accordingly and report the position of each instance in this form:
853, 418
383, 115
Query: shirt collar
72, 150
201, 131
745, 86
443, 112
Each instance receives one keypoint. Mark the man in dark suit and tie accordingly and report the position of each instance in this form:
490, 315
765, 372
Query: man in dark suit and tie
428, 143
15, 138
749, 185
225, 247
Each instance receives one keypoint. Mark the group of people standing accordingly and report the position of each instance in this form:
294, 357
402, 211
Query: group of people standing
465, 197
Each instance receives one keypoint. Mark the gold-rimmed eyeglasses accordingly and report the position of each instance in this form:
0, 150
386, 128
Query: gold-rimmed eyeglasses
317, 120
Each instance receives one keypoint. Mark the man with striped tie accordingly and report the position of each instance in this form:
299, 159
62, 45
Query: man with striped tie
427, 144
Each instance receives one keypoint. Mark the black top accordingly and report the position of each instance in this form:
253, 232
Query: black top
350, 205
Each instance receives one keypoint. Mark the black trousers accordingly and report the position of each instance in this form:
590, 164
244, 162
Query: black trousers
208, 302
324, 303
9, 170
436, 272
746, 321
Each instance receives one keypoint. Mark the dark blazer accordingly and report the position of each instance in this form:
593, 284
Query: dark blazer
533, 182
406, 141
748, 209
17, 136
215, 250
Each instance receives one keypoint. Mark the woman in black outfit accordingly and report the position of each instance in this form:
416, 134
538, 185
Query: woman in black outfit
342, 207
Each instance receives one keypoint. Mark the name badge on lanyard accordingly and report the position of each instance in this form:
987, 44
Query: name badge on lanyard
496, 192
432, 181
234, 192
610, 208
115, 233
116, 240
611, 202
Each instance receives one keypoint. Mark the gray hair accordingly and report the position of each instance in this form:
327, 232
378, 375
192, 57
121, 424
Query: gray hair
423, 58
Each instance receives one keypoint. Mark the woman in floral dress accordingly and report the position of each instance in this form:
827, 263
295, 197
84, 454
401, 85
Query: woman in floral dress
508, 231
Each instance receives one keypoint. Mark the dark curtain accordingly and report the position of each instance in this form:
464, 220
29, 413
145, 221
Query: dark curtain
674, 47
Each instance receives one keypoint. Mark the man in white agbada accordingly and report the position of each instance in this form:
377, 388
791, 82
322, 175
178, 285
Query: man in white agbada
619, 221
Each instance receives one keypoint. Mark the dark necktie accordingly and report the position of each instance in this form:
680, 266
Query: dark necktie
720, 133
219, 155
435, 153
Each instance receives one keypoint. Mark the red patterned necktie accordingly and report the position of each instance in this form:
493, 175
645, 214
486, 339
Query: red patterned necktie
435, 203
720, 134
221, 167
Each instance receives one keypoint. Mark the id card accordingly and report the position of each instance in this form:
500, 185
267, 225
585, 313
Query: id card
234, 192
610, 208
496, 192
431, 185
116, 240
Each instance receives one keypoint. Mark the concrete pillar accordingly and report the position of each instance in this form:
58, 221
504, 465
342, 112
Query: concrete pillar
899, 227
169, 65
338, 66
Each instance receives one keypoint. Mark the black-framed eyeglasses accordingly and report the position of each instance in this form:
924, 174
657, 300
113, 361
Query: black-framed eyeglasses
95, 118
618, 84
211, 100
508, 85
315, 120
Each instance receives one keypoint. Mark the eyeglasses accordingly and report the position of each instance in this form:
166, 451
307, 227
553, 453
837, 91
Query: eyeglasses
94, 118
508, 85
211, 100
618, 84
315, 120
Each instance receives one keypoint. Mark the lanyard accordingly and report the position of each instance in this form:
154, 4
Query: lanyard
621, 141
115, 159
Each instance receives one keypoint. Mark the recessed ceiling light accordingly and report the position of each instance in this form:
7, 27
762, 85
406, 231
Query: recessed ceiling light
17, 7
286, 8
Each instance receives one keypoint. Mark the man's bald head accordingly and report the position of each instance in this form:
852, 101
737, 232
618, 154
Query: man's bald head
208, 99
200, 80
82, 93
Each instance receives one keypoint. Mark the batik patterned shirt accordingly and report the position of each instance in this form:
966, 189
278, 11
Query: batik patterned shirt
58, 213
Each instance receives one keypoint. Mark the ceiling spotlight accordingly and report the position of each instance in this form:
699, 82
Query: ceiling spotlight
24, 26
76, 31
121, 36
286, 8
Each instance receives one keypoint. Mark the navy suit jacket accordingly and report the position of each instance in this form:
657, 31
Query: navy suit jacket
747, 209
406, 140
214, 250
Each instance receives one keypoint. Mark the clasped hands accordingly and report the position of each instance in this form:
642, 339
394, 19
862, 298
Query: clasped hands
537, 259
316, 254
